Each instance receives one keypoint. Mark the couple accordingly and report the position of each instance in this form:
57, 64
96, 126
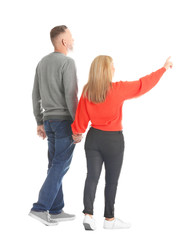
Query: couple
63, 122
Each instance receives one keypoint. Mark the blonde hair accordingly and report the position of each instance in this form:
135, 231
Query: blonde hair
99, 81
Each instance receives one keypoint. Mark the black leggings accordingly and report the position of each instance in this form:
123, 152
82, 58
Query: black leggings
107, 147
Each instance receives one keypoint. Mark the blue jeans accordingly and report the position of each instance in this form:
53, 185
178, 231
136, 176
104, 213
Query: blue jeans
60, 151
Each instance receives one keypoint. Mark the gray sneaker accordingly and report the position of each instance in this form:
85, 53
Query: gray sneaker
43, 217
62, 217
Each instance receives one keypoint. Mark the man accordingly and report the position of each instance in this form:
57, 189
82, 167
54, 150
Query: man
55, 92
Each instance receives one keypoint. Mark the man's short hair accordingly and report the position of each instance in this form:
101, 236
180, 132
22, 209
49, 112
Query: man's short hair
56, 31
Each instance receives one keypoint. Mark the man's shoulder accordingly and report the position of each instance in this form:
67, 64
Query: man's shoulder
57, 56
68, 61
56, 59
45, 57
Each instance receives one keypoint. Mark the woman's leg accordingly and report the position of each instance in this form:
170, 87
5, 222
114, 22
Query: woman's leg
94, 167
113, 159
113, 168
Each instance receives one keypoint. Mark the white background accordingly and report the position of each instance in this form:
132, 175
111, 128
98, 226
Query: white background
156, 187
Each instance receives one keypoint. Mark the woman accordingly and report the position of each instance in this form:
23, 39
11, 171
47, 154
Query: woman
101, 103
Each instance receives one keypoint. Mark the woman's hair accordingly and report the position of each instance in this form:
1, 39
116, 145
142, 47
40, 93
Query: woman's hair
100, 78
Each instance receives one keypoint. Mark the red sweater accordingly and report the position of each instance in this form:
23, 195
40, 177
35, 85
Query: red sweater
107, 116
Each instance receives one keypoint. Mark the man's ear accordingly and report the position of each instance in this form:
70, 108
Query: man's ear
64, 42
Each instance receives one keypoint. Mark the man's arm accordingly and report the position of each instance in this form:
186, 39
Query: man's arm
37, 109
36, 99
70, 86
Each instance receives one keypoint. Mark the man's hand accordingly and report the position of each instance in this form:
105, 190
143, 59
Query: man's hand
77, 137
41, 131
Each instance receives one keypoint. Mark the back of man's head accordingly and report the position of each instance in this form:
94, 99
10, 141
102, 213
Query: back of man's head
55, 32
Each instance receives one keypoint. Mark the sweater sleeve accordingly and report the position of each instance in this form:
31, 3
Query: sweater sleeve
82, 119
36, 100
137, 88
70, 86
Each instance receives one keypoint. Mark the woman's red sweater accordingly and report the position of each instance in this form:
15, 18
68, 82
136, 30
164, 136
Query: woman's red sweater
107, 116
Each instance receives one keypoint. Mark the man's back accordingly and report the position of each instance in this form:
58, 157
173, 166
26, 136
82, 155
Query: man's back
55, 88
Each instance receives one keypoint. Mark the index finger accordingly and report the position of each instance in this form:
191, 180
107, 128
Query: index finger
168, 58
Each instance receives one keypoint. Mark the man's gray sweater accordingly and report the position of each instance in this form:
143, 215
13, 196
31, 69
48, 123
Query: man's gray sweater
55, 88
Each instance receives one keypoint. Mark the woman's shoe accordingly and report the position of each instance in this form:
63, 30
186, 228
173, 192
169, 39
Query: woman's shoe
89, 223
116, 224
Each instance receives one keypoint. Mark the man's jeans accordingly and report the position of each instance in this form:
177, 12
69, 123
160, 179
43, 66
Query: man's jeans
60, 151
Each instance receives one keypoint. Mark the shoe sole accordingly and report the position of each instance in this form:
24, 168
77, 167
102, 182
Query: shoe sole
42, 220
107, 228
63, 219
88, 227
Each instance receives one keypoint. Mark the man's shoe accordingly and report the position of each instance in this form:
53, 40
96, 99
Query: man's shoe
62, 217
116, 224
89, 223
43, 217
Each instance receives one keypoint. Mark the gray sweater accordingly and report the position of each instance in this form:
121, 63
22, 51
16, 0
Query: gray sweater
55, 88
